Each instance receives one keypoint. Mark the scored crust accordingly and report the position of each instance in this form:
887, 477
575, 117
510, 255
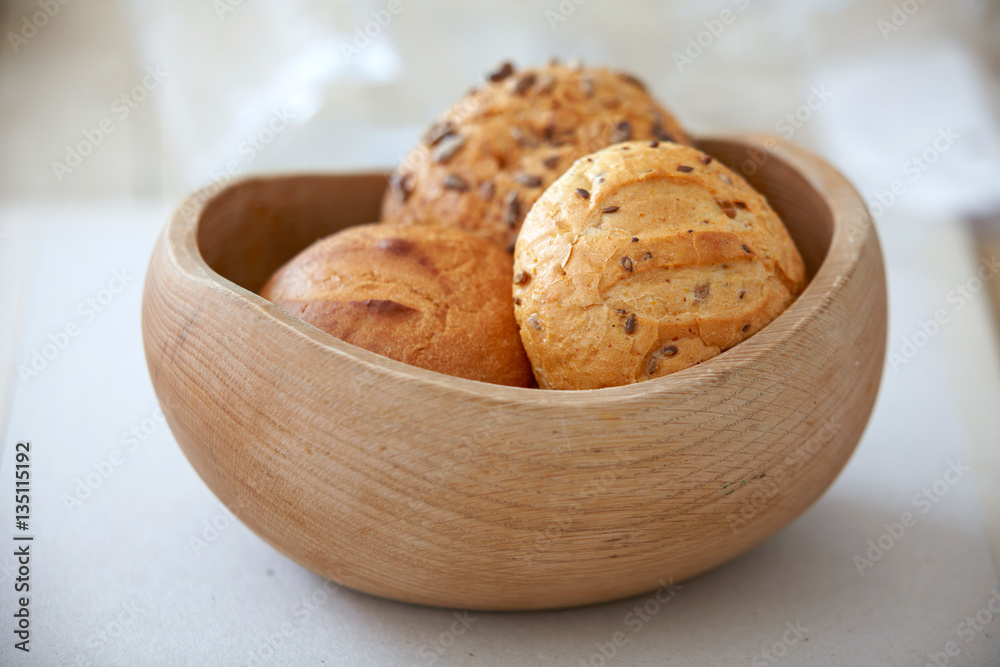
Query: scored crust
430, 297
643, 259
486, 160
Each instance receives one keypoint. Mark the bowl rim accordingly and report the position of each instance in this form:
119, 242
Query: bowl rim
839, 195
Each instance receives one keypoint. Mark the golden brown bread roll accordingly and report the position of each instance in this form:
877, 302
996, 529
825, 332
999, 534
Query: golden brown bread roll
427, 296
487, 159
643, 259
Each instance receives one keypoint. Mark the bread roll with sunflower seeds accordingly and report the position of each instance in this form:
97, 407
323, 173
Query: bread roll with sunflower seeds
487, 159
643, 259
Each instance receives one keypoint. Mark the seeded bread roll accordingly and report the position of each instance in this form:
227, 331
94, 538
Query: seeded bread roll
431, 297
644, 259
483, 164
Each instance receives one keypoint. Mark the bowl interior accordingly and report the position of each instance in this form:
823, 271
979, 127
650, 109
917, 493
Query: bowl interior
253, 227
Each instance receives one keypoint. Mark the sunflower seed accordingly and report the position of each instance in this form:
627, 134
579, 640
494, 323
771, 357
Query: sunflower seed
622, 132
527, 180
511, 209
448, 147
502, 73
438, 131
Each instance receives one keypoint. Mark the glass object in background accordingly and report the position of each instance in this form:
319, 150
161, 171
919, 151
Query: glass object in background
856, 81
245, 78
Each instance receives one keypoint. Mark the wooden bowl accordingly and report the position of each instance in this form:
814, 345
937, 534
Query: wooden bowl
432, 489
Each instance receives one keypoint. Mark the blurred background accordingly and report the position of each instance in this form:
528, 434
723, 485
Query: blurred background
358, 83
111, 111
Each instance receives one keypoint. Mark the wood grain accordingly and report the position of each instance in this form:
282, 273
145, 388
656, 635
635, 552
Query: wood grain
431, 489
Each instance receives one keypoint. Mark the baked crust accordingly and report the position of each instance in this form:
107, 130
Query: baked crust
486, 160
430, 297
643, 259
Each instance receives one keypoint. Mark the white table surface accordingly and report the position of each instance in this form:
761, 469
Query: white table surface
116, 581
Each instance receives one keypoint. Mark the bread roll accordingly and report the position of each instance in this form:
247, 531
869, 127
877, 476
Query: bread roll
487, 159
643, 259
427, 296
